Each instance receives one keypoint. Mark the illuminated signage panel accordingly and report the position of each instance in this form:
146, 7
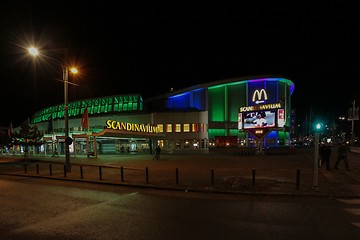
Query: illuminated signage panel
262, 115
240, 125
281, 118
131, 127
259, 119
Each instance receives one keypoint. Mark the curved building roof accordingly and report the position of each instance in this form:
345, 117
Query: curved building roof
134, 103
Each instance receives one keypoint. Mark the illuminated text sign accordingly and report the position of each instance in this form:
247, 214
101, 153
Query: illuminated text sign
132, 127
260, 107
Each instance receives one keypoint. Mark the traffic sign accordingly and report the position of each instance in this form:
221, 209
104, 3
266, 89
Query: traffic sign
68, 140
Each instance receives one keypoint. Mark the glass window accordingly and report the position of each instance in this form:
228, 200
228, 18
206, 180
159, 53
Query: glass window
169, 127
194, 127
186, 127
160, 128
202, 127
178, 127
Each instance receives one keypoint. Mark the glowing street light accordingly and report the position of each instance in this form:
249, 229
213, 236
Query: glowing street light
33, 51
68, 141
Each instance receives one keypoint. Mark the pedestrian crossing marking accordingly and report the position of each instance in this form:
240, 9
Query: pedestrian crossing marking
349, 201
356, 224
354, 211
330, 177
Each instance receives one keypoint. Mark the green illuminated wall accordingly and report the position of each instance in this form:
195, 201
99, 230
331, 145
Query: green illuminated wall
216, 132
111, 104
217, 103
222, 132
225, 100
236, 98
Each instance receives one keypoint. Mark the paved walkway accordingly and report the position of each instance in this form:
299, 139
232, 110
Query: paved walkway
266, 174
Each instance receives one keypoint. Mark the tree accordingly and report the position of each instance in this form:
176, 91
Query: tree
26, 137
4, 139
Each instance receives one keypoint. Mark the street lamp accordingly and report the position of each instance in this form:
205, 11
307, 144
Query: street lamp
68, 141
318, 130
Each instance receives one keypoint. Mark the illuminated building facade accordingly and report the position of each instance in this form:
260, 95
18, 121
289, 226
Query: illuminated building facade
221, 114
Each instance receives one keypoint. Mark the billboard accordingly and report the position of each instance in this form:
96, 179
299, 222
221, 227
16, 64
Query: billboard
259, 119
262, 113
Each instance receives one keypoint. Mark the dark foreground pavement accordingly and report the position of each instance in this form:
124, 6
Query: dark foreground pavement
284, 174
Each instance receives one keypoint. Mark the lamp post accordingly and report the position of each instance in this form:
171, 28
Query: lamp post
316, 162
352, 123
66, 118
68, 141
318, 130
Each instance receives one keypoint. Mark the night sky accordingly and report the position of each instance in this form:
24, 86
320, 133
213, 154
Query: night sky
148, 48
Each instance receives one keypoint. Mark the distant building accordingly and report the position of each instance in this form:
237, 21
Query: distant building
220, 114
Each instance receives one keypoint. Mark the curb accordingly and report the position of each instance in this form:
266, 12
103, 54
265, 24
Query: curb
195, 190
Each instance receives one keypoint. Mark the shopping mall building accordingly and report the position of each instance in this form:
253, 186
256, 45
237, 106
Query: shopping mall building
232, 113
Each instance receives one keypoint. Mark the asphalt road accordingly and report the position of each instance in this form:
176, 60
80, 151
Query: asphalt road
38, 208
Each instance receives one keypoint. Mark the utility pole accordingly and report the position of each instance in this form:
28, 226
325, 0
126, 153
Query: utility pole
310, 121
352, 123
316, 162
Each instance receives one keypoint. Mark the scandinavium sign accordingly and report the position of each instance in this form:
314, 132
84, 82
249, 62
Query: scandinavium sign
261, 107
132, 127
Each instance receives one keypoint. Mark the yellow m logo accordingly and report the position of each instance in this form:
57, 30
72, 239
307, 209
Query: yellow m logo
259, 94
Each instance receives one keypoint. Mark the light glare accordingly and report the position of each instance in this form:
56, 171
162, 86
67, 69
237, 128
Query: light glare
74, 70
33, 51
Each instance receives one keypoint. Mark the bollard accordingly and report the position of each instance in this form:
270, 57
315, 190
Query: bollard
212, 177
297, 179
25, 167
100, 173
253, 177
177, 176
81, 172
64, 170
50, 169
147, 174
122, 173
37, 168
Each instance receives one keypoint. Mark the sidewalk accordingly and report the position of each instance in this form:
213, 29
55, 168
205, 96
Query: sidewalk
266, 174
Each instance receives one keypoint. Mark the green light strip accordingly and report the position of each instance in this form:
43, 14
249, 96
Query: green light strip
111, 104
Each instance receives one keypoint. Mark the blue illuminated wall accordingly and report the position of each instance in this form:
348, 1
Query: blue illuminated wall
195, 99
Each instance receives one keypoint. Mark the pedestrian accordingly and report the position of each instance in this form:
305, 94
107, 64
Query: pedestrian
325, 153
157, 152
342, 155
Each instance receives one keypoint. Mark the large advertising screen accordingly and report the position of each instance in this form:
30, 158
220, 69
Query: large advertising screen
259, 119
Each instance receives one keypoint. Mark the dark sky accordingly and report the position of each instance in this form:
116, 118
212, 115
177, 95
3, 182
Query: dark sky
148, 48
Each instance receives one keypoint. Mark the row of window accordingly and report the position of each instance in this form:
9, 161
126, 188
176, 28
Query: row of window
181, 127
169, 127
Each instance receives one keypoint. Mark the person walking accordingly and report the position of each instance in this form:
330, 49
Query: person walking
325, 153
157, 152
342, 155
